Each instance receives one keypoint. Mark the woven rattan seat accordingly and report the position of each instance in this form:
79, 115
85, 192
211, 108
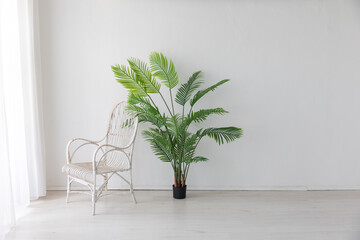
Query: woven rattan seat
84, 170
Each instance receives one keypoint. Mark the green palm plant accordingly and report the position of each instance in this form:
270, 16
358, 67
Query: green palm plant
169, 136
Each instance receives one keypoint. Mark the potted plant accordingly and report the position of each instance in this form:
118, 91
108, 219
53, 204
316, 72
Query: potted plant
169, 134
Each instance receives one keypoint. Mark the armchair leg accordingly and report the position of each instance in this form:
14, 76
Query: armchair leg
94, 196
105, 178
68, 189
131, 187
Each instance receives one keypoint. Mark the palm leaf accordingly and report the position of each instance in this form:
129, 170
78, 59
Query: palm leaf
196, 159
163, 69
145, 105
190, 146
127, 78
134, 99
173, 125
159, 144
151, 115
202, 114
220, 135
144, 75
183, 94
201, 93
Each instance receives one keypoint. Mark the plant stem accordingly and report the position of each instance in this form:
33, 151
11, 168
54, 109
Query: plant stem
172, 101
175, 183
186, 171
183, 110
151, 100
188, 165
167, 106
182, 180
190, 110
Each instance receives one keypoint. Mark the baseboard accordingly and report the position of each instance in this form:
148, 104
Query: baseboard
226, 188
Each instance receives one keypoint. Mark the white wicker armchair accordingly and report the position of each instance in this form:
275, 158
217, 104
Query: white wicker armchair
113, 155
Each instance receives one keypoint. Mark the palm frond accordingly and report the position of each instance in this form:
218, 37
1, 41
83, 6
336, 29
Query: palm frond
145, 105
221, 135
134, 99
196, 159
159, 144
150, 115
202, 114
201, 93
127, 78
185, 91
190, 146
163, 69
144, 75
173, 125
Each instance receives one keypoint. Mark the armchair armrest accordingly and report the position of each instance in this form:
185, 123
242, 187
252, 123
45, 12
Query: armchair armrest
112, 148
69, 155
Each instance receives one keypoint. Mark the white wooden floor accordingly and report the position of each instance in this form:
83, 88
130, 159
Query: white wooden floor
206, 215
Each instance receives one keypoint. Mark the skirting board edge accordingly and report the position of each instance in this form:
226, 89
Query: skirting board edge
257, 188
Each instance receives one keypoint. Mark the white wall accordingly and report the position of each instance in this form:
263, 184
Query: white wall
295, 89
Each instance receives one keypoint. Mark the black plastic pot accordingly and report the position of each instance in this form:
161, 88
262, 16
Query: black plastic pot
179, 192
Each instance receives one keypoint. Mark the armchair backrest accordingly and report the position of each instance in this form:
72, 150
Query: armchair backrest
121, 133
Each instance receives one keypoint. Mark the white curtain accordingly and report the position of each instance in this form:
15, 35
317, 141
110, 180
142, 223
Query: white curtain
22, 165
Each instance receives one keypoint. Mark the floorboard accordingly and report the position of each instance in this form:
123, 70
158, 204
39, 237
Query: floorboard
250, 215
